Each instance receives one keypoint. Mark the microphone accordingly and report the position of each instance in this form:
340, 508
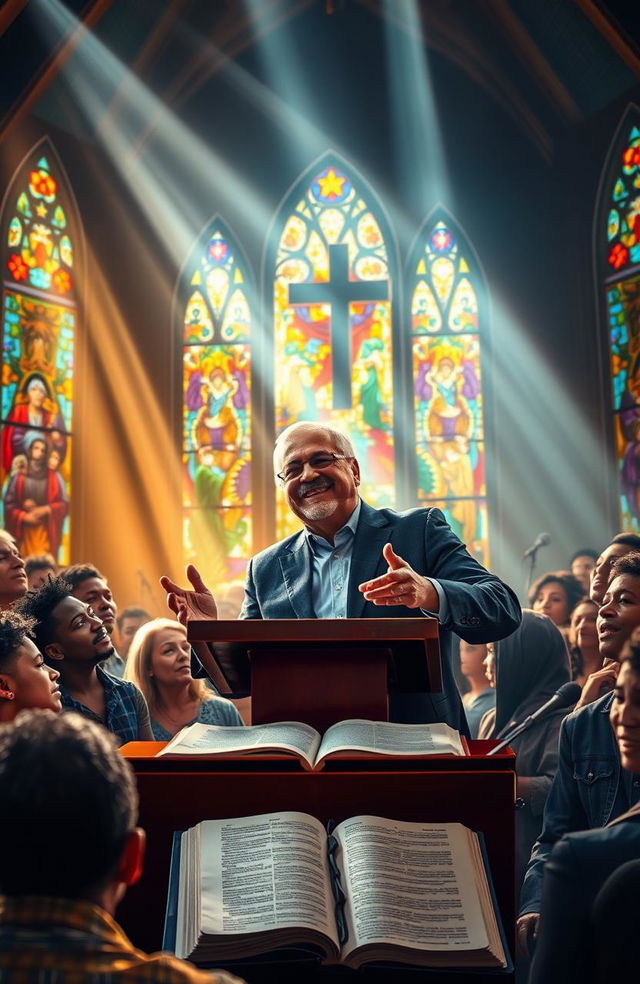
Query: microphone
540, 541
565, 696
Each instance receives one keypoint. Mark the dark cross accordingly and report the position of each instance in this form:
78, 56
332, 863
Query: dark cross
339, 291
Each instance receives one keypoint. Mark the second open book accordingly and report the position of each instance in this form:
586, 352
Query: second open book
312, 749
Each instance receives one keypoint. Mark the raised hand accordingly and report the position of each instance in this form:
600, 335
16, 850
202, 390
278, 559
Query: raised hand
187, 604
401, 585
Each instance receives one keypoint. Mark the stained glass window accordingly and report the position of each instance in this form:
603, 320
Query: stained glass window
217, 325
619, 248
39, 314
333, 321
446, 335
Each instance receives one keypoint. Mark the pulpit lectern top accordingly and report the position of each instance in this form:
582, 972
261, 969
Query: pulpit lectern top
320, 671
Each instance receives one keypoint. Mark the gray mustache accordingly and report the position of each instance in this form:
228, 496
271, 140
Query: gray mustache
317, 483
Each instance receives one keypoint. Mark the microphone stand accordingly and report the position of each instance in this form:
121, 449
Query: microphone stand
532, 567
519, 728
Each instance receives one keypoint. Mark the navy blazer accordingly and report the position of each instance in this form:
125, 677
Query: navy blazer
577, 869
481, 607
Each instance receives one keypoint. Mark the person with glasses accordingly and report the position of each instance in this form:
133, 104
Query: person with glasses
354, 561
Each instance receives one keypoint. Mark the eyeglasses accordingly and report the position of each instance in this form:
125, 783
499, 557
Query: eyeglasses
318, 461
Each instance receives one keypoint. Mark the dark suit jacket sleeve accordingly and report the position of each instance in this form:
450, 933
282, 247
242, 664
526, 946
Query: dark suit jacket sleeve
481, 607
250, 606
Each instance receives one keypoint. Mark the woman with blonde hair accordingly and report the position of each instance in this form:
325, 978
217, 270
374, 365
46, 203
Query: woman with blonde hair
159, 663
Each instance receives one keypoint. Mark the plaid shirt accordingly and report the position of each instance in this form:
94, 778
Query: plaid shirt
127, 714
63, 941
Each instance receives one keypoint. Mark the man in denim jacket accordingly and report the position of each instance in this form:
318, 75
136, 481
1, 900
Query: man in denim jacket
589, 788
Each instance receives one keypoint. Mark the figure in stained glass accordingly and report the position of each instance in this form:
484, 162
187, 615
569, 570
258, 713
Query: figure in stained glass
447, 385
333, 321
38, 351
217, 409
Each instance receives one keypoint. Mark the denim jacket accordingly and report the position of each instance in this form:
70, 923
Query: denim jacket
589, 789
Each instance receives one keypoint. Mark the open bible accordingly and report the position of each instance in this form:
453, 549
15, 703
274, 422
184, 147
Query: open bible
370, 891
341, 740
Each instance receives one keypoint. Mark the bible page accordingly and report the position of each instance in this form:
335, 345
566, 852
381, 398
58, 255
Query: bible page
265, 872
388, 738
210, 739
409, 885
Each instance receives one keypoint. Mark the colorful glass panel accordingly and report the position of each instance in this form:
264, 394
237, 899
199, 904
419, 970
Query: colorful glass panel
623, 306
448, 400
217, 528
330, 211
38, 327
623, 219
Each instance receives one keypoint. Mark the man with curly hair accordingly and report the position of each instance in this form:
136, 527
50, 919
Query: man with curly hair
74, 641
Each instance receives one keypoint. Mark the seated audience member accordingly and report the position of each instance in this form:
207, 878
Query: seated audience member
526, 669
556, 594
481, 697
595, 679
621, 545
90, 586
13, 577
588, 790
159, 664
75, 641
580, 863
25, 680
129, 621
38, 568
582, 564
614, 920
68, 812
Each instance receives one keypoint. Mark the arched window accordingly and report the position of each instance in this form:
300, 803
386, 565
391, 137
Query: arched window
217, 314
446, 325
333, 326
40, 233
618, 262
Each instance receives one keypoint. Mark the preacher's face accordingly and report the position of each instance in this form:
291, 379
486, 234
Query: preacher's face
327, 495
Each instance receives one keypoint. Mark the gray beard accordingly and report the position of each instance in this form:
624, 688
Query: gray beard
318, 510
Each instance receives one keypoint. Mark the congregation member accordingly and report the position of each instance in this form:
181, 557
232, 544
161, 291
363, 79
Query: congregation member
75, 642
582, 565
13, 576
587, 668
481, 696
620, 546
128, 622
526, 669
570, 949
92, 587
25, 680
588, 789
71, 847
556, 594
352, 561
159, 664
38, 568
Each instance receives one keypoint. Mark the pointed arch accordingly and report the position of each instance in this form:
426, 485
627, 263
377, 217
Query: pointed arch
41, 258
216, 302
617, 253
447, 324
332, 258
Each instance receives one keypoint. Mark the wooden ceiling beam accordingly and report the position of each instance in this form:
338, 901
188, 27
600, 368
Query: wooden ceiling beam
611, 33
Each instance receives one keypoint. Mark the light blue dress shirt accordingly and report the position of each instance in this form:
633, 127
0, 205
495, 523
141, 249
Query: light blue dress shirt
331, 566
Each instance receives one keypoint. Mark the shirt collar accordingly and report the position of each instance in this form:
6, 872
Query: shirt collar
351, 525
42, 910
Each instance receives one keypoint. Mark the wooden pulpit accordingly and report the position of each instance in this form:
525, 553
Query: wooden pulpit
320, 671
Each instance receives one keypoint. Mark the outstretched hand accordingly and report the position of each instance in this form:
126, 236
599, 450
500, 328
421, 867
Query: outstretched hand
187, 604
401, 585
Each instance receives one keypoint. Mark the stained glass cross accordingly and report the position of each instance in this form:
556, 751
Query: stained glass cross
339, 292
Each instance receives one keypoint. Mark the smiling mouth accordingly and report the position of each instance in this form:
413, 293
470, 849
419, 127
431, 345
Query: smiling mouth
311, 489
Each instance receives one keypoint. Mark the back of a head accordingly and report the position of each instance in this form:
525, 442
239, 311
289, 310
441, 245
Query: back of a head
67, 802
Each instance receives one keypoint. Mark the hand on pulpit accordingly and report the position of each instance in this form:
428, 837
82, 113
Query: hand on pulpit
187, 604
401, 585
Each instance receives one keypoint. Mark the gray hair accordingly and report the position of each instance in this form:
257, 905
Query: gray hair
340, 441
